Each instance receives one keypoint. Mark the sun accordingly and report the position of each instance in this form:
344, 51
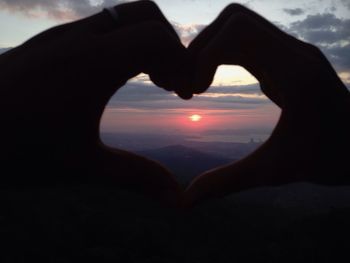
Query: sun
195, 117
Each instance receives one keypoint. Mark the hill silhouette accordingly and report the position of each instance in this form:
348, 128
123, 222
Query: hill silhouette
185, 162
3, 50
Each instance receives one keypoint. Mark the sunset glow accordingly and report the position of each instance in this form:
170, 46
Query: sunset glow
195, 117
230, 75
234, 108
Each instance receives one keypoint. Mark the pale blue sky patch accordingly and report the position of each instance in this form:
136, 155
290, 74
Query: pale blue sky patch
17, 28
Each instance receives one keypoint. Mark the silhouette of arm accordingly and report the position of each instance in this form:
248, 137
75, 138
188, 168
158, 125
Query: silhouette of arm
311, 137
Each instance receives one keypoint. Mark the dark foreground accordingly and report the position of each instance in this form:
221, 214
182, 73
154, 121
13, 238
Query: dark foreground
296, 223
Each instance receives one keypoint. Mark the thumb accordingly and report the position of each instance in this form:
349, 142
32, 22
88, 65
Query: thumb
206, 63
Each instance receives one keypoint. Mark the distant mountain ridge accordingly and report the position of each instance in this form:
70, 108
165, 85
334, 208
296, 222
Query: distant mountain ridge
186, 163
3, 50
142, 142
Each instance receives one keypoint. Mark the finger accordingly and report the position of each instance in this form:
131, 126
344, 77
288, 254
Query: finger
146, 47
128, 14
227, 46
146, 12
247, 36
208, 33
242, 41
211, 31
185, 94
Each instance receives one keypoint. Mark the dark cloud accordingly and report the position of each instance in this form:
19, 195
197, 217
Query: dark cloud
57, 9
330, 33
340, 56
142, 96
138, 89
239, 89
333, 8
294, 11
322, 29
346, 3
177, 104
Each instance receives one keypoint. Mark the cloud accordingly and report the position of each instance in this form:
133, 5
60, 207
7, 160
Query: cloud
340, 56
322, 29
294, 11
139, 89
144, 96
238, 89
57, 9
330, 33
346, 3
66, 10
188, 32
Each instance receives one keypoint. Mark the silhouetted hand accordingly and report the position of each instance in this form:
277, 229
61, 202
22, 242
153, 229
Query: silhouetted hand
54, 89
311, 138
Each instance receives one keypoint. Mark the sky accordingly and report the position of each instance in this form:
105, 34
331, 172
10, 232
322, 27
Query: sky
233, 109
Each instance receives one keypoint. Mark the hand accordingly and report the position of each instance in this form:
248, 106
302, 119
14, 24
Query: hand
312, 134
56, 85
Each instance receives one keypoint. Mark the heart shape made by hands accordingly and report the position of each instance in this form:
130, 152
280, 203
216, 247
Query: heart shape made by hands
298, 78
295, 76
78, 62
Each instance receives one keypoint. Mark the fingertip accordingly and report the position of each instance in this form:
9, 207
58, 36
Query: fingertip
200, 85
185, 95
203, 76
